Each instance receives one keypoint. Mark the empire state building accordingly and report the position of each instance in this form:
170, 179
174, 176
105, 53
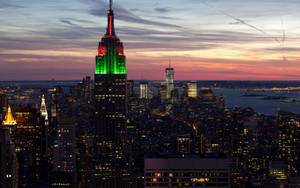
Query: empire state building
110, 109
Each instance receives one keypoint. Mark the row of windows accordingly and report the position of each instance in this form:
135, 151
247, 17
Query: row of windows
186, 185
110, 95
188, 180
186, 174
119, 84
194, 170
115, 116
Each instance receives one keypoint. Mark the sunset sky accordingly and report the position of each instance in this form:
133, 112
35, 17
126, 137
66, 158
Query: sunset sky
203, 39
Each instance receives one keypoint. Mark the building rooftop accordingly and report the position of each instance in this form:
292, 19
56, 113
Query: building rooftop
9, 118
167, 155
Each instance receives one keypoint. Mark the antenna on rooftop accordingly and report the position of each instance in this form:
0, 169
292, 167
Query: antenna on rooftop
110, 4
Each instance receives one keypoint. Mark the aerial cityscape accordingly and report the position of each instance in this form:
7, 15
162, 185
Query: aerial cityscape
191, 104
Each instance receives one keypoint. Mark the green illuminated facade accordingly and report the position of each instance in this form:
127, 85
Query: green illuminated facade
111, 62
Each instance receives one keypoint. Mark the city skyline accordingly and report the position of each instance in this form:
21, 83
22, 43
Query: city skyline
205, 40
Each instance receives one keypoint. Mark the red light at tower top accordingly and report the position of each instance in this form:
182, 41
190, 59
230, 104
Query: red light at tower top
110, 26
101, 51
120, 51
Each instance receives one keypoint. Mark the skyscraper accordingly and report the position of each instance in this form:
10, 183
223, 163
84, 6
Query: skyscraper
43, 108
192, 89
3, 105
30, 145
169, 81
110, 109
8, 159
288, 140
144, 90
9, 118
64, 162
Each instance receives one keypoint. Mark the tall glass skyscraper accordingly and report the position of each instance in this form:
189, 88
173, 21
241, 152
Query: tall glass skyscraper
169, 81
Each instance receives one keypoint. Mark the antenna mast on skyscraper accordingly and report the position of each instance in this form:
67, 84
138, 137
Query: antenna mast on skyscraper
110, 4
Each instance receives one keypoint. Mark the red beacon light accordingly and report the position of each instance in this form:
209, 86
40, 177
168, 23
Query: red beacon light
120, 51
101, 51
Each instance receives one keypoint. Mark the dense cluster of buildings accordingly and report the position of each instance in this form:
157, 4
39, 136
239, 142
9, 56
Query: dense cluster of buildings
116, 133
188, 140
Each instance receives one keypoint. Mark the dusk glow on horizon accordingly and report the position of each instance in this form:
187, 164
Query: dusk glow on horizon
203, 39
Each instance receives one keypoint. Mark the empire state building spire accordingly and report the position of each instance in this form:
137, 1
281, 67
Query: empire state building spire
111, 58
110, 31
110, 4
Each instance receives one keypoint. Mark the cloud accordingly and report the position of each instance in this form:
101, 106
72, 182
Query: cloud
67, 22
161, 10
135, 9
45, 68
286, 49
76, 36
168, 46
166, 17
127, 16
4, 5
80, 21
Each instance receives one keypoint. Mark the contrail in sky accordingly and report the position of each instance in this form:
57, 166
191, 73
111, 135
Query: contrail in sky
247, 24
283, 41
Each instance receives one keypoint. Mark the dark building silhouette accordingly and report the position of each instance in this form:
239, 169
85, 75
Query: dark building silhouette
8, 159
64, 163
30, 145
110, 110
130, 88
3, 105
288, 140
186, 171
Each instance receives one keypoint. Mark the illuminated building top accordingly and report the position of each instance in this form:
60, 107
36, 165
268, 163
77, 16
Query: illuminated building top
9, 118
110, 59
43, 108
192, 89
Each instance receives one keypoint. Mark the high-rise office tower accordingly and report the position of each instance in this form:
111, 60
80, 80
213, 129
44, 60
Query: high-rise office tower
64, 157
9, 118
221, 102
144, 90
8, 159
184, 144
162, 89
130, 88
184, 91
3, 105
288, 140
64, 162
169, 81
43, 109
44, 114
30, 145
110, 110
192, 89
174, 96
10, 122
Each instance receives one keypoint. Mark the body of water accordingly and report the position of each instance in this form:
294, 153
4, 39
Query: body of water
267, 103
